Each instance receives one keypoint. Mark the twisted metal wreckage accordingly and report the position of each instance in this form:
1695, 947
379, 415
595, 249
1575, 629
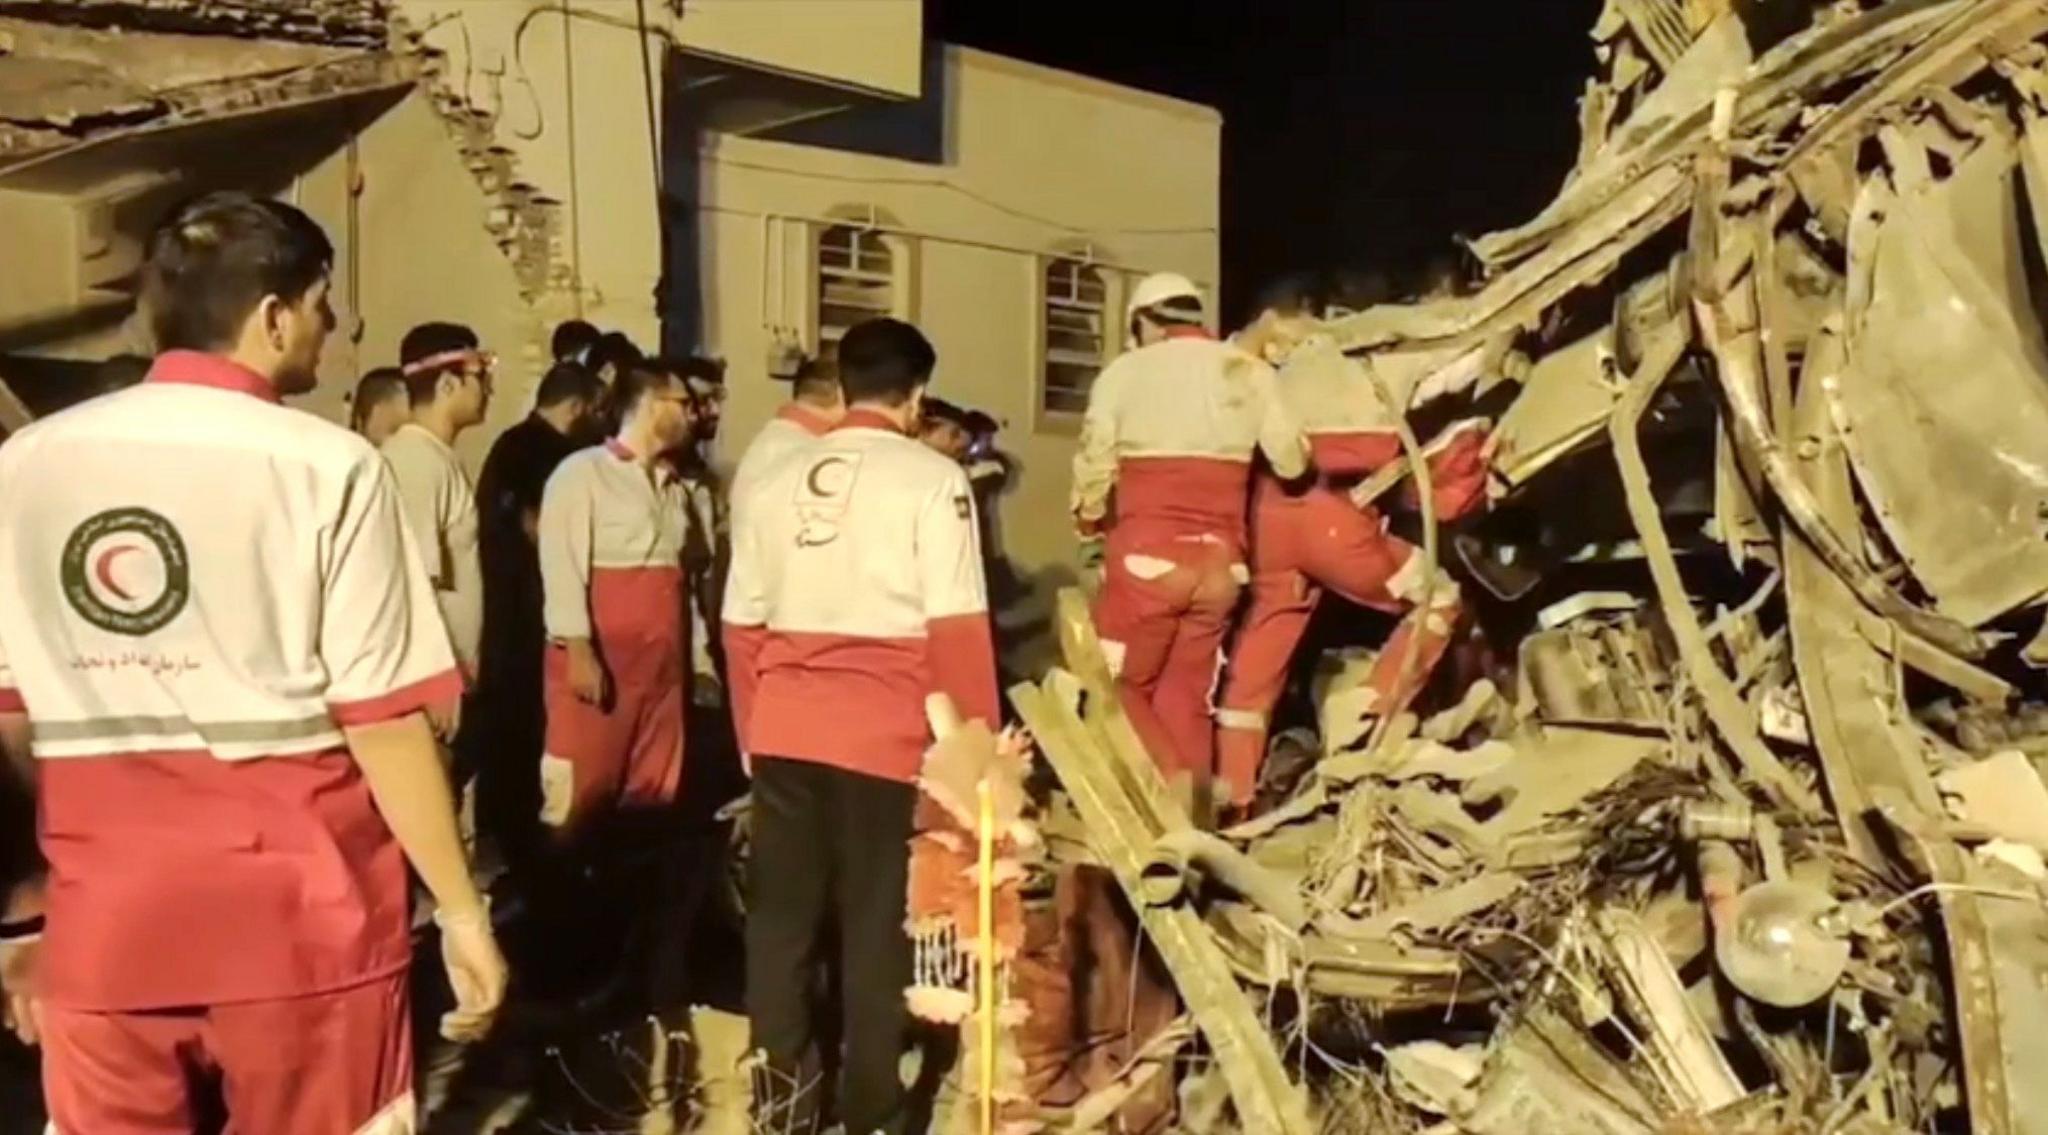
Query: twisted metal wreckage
1749, 836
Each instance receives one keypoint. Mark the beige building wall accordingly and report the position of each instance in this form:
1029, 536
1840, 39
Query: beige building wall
564, 89
1036, 164
411, 246
869, 44
1041, 163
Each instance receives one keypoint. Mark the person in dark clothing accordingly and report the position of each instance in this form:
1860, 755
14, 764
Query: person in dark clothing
573, 341
380, 405
613, 352
508, 503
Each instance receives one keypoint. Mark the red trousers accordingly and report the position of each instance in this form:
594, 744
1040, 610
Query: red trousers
337, 1063
1163, 611
1302, 545
629, 751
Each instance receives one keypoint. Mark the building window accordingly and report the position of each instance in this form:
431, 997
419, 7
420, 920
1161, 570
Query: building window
856, 282
1076, 333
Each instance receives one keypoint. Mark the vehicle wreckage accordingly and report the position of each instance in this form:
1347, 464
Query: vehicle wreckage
1732, 821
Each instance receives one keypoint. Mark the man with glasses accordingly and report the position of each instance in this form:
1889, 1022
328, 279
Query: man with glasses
613, 522
613, 526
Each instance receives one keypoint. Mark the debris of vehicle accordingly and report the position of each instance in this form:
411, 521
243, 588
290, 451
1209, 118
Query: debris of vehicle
1741, 829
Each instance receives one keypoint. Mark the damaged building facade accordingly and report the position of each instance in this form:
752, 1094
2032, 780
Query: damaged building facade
743, 180
1728, 814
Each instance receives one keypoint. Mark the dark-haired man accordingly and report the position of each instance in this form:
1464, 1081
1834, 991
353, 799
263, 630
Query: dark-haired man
815, 405
1311, 535
379, 405
856, 592
448, 382
509, 490
572, 342
226, 675
1172, 427
706, 552
612, 526
944, 428
610, 355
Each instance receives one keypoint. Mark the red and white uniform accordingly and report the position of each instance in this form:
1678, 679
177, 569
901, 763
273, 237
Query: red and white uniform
199, 589
856, 591
1308, 538
612, 534
1172, 429
793, 427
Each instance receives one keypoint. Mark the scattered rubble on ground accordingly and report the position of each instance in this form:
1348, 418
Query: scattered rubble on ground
1730, 817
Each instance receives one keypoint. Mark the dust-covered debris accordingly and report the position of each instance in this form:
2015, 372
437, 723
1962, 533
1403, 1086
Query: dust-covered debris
1730, 819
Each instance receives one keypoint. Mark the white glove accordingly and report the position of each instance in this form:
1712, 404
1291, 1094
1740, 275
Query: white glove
476, 973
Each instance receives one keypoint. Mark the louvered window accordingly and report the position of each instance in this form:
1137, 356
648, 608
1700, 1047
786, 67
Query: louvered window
1076, 328
856, 282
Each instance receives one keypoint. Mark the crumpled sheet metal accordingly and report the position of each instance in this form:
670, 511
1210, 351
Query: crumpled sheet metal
1564, 402
1718, 57
1944, 397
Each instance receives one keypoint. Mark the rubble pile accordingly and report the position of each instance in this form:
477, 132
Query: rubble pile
1727, 816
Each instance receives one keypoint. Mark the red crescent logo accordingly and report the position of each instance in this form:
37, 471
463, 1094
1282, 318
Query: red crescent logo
818, 471
103, 570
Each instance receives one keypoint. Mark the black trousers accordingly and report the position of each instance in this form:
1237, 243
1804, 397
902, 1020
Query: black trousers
831, 849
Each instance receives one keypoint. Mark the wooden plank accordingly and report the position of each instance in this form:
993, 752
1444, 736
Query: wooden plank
1267, 1101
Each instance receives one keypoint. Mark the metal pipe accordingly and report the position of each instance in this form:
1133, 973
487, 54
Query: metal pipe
1180, 859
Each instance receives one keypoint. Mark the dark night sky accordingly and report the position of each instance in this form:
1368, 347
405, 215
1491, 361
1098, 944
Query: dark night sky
1358, 134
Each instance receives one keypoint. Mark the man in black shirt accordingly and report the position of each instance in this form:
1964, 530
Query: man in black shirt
514, 639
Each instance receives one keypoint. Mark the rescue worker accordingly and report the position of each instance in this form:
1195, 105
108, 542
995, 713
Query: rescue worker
1172, 426
612, 526
856, 592
511, 721
448, 384
815, 405
227, 675
611, 355
380, 405
1313, 536
968, 437
944, 428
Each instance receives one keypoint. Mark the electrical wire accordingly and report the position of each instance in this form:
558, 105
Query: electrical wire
647, 82
1926, 889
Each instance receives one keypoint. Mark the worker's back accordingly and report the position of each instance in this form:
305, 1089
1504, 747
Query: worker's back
1174, 426
845, 554
792, 428
194, 583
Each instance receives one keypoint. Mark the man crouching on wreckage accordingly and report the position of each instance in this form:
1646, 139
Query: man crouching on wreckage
1204, 447
1745, 832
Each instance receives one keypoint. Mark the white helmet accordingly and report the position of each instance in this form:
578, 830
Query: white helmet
1158, 288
